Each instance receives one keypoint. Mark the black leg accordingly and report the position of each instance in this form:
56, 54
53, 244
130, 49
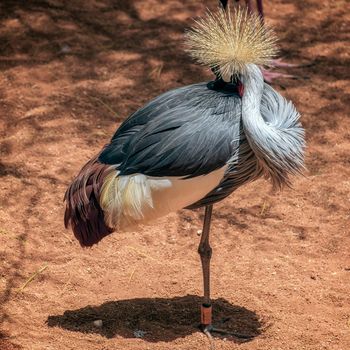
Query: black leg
205, 253
259, 5
224, 3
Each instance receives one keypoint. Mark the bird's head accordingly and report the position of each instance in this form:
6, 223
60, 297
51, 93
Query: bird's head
231, 43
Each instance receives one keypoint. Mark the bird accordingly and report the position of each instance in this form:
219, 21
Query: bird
193, 146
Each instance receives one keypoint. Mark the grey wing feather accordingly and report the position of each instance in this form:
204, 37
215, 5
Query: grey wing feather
186, 132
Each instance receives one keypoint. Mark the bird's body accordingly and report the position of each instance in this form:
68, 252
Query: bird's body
193, 146
186, 148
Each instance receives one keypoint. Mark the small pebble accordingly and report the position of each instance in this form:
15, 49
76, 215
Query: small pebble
98, 323
139, 334
65, 49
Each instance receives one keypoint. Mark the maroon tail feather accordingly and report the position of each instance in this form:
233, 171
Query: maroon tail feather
83, 212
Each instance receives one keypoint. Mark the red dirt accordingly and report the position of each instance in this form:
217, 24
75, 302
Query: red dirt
70, 72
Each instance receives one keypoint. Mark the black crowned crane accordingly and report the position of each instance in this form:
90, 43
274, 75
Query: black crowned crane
193, 146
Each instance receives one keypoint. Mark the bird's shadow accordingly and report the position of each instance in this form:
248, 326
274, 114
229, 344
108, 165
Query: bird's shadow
157, 319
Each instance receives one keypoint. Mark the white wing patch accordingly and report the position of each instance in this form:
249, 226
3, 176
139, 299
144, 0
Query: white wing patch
130, 200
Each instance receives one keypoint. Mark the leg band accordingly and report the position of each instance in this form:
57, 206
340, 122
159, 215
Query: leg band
206, 314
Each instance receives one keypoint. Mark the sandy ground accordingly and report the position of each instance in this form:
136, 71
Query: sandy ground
70, 72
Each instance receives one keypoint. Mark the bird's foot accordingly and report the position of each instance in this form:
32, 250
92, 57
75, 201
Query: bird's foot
209, 329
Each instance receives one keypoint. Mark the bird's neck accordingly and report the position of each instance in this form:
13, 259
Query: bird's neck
254, 125
253, 90
267, 139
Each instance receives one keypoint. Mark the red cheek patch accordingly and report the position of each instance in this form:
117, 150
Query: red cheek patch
240, 89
